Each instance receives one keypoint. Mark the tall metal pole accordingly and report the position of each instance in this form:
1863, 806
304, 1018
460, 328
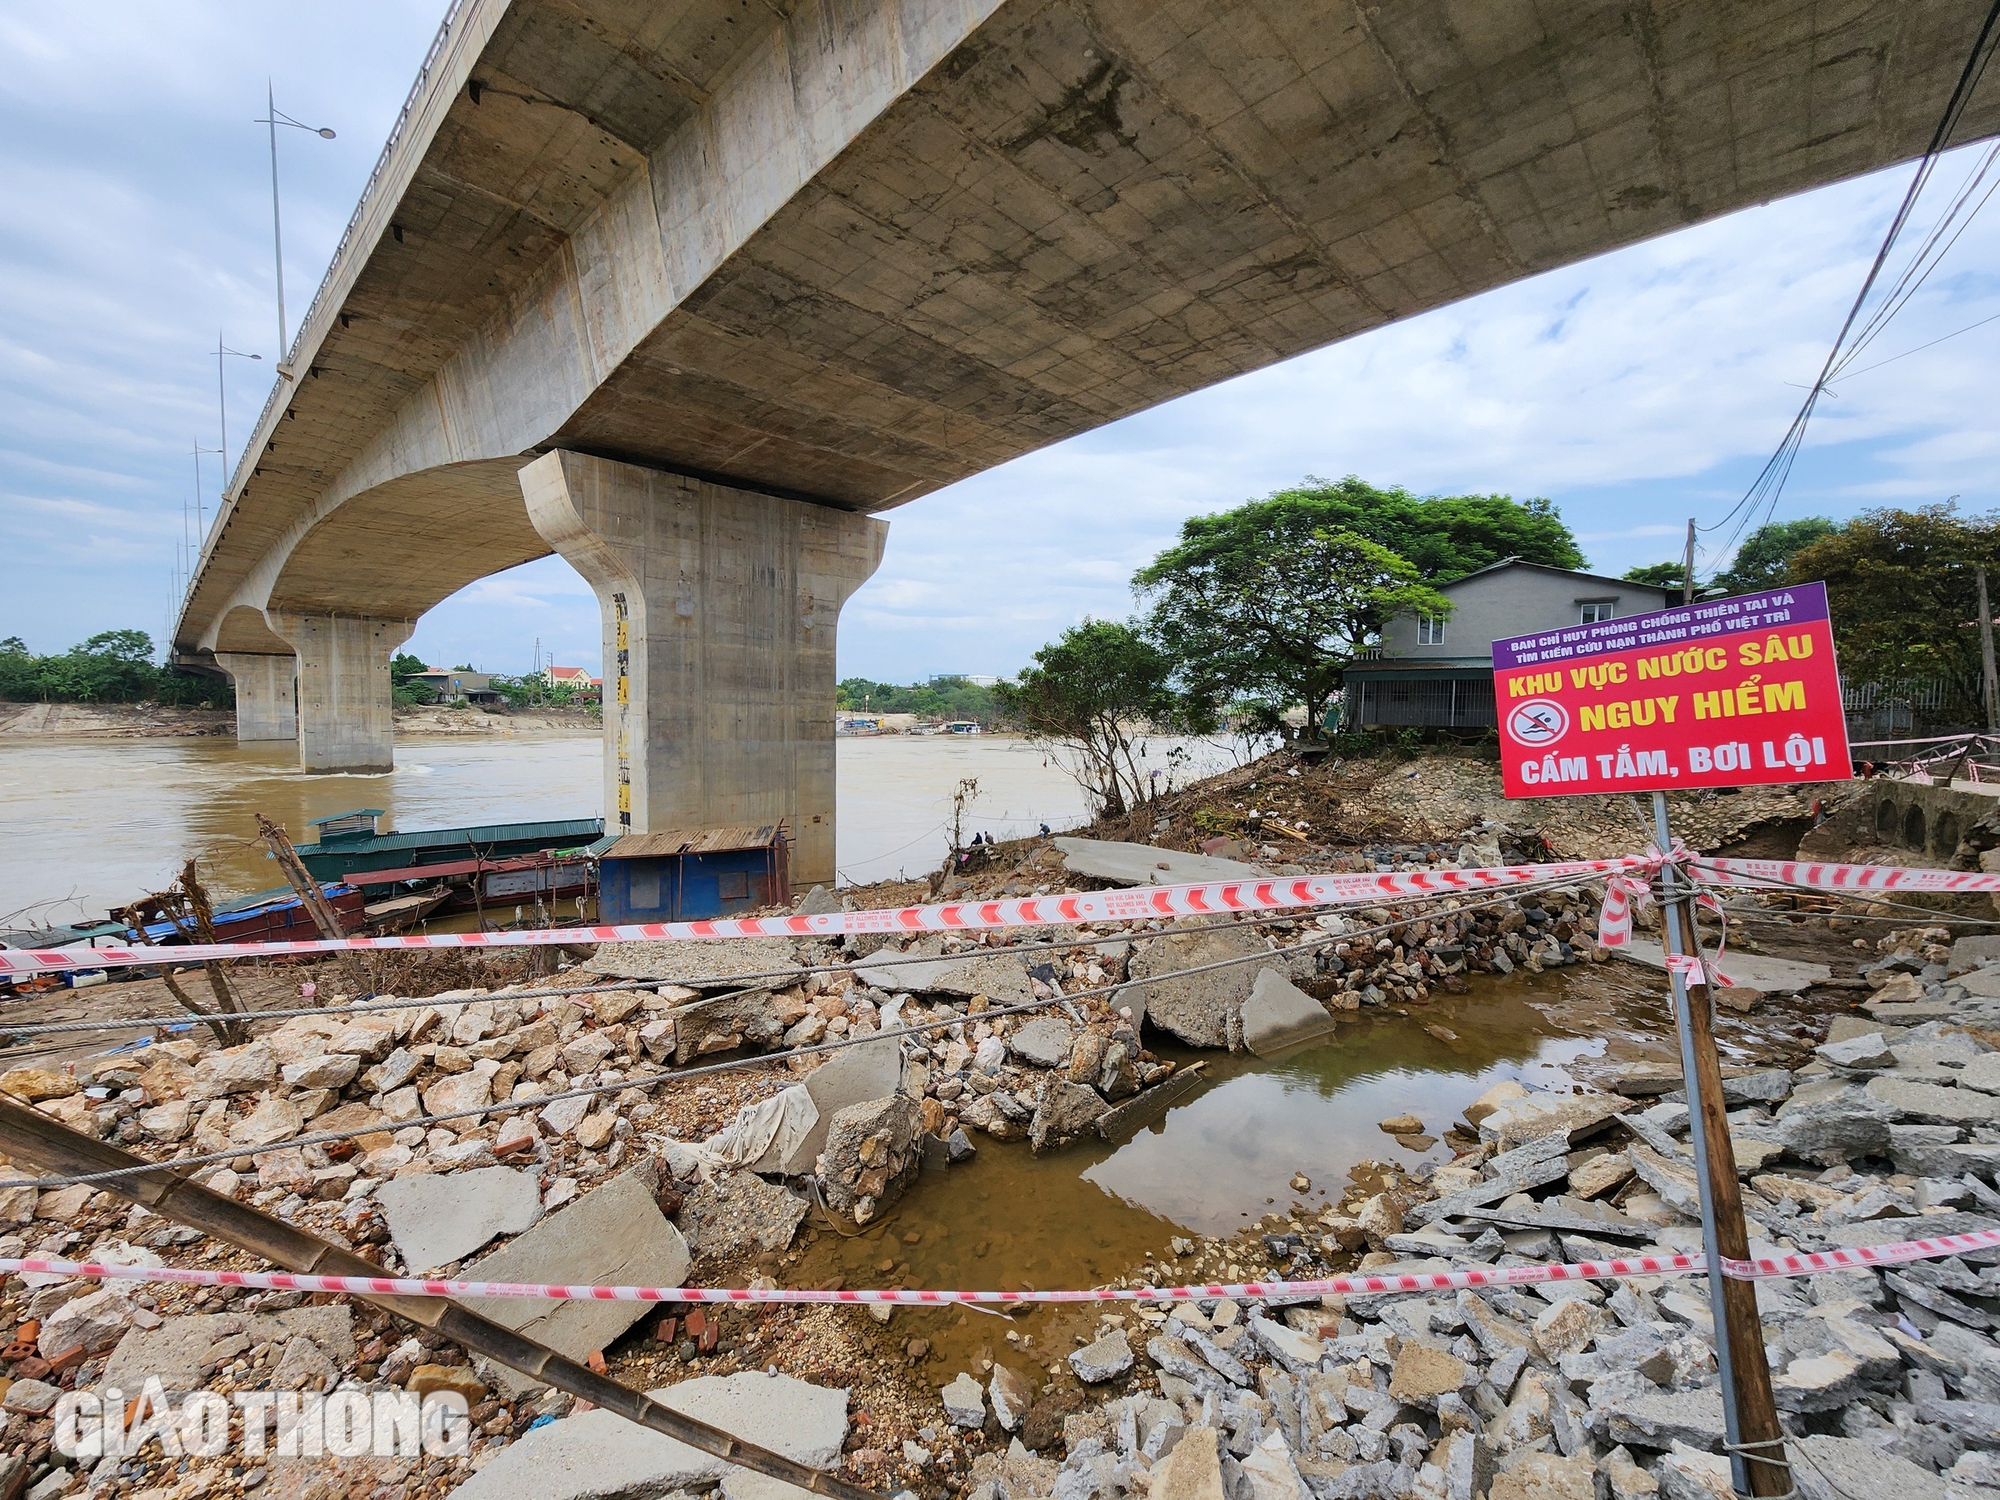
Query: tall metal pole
1687, 567
1986, 658
222, 408
277, 235
1755, 1441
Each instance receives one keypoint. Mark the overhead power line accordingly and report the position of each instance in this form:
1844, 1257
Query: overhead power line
1765, 490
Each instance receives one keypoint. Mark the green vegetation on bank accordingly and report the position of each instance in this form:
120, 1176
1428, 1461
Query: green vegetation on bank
939, 698
114, 666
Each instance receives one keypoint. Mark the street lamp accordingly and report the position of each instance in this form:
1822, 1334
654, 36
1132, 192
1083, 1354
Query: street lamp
274, 118
222, 400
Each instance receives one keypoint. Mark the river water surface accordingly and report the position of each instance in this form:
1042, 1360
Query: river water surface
89, 825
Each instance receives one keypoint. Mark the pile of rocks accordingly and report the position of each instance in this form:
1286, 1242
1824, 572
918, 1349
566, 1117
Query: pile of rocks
1889, 1381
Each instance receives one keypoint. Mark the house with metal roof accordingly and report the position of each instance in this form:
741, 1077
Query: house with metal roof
1436, 671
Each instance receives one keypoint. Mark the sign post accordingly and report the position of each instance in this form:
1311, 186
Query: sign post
1729, 692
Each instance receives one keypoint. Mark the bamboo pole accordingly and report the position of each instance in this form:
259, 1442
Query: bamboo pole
325, 918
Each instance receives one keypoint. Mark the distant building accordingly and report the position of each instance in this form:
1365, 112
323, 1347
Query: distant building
450, 683
578, 678
980, 680
1437, 671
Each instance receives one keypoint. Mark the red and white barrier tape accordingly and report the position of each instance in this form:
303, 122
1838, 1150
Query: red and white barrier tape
1863, 1258
1832, 877
1210, 898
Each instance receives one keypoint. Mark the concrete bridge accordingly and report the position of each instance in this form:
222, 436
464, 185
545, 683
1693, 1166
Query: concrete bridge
691, 291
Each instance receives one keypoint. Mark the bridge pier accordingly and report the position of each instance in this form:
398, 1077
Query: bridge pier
266, 695
345, 705
719, 609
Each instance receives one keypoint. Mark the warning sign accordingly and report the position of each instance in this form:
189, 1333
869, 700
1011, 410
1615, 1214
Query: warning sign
1727, 692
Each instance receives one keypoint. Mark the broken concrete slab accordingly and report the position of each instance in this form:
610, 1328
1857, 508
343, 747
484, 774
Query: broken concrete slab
1123, 1121
1928, 1103
1278, 1014
1834, 1468
851, 1076
1197, 1008
435, 1219
734, 1212
183, 1351
1001, 978
600, 1456
1144, 864
1537, 1115
615, 1236
1758, 971
707, 965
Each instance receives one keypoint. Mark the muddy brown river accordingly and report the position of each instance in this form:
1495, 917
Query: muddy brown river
88, 825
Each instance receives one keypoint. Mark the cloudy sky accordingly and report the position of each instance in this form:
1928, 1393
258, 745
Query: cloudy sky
1635, 390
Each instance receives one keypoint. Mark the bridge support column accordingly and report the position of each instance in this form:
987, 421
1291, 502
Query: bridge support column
266, 695
345, 719
719, 608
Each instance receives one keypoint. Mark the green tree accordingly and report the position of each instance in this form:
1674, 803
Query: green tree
948, 697
1251, 604
1903, 592
403, 686
1666, 575
1442, 536
1090, 692
1764, 560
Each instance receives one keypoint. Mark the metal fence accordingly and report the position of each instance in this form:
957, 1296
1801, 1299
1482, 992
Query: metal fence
1882, 710
1454, 704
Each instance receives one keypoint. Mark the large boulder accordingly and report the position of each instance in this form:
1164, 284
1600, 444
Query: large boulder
1063, 1111
871, 1154
236, 1070
1197, 1008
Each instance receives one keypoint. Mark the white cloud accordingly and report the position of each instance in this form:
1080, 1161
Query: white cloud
1635, 389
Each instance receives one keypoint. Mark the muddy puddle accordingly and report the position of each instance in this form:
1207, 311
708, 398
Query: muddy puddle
1223, 1157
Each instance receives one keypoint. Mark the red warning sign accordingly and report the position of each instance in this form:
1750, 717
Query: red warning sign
1727, 692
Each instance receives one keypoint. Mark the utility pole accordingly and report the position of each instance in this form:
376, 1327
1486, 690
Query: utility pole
1986, 658
277, 232
222, 349
1687, 567
273, 119
1754, 1440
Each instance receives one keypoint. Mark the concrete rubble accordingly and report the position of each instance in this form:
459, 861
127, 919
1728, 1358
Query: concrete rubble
1889, 1381
1587, 1391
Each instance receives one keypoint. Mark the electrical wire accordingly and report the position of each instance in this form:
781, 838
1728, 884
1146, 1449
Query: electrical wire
1768, 486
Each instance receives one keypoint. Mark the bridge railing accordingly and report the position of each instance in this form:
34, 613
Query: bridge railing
380, 170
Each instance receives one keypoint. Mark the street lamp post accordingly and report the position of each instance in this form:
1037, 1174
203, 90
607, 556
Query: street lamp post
274, 118
221, 397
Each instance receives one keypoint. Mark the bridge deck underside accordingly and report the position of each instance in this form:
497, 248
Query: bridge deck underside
1084, 208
